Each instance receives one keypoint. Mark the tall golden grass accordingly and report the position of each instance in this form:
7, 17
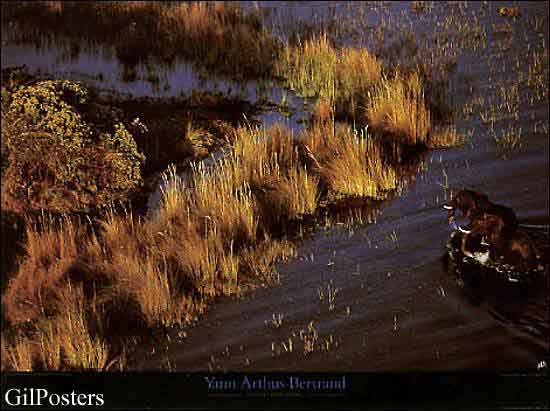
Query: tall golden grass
351, 83
67, 342
18, 355
351, 161
64, 343
51, 251
317, 69
397, 107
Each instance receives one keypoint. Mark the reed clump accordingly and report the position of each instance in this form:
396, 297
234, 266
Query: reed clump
67, 342
64, 343
397, 107
350, 161
351, 83
318, 69
51, 249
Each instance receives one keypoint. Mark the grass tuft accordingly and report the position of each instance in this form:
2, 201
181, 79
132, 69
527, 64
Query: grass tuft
396, 107
340, 76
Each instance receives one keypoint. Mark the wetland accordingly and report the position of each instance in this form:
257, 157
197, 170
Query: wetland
258, 186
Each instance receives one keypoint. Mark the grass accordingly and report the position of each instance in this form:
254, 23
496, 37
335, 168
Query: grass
50, 253
339, 76
356, 168
63, 344
443, 137
351, 162
221, 228
350, 83
18, 355
67, 343
298, 192
509, 141
397, 107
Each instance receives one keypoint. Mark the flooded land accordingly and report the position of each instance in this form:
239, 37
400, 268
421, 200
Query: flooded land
258, 186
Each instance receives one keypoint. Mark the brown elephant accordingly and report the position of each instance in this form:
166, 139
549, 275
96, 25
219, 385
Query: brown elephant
506, 244
473, 204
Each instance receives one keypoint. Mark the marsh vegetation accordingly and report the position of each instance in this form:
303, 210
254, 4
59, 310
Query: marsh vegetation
95, 273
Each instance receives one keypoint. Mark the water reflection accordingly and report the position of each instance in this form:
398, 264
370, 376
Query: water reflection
100, 67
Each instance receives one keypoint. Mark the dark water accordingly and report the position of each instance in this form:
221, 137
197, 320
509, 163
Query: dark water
380, 296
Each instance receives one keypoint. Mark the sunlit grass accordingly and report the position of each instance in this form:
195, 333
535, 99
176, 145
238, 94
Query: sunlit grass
19, 355
70, 336
444, 137
356, 168
397, 107
213, 226
50, 251
318, 69
298, 193
64, 343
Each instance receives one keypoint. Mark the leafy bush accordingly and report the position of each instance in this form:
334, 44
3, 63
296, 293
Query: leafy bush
61, 154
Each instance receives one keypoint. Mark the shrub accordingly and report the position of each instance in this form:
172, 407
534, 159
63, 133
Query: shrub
57, 158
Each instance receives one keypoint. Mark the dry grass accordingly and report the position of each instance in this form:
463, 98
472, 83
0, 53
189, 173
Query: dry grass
397, 108
197, 142
355, 166
51, 250
298, 193
443, 137
19, 355
67, 343
322, 111
509, 141
349, 83
64, 343
218, 36
340, 76
260, 260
